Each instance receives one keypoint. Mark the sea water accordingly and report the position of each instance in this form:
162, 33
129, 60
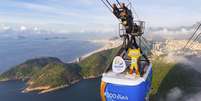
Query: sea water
14, 51
85, 90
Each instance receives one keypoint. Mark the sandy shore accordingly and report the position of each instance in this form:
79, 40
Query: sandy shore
107, 44
46, 89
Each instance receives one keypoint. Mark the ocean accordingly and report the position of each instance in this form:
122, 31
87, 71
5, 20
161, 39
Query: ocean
14, 51
85, 90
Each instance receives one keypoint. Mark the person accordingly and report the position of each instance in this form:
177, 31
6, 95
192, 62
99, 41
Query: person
116, 11
126, 17
136, 28
123, 14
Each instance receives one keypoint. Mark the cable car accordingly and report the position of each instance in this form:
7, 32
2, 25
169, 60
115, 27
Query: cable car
129, 76
126, 87
120, 82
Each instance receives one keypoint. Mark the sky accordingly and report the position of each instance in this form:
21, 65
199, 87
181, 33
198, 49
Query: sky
92, 15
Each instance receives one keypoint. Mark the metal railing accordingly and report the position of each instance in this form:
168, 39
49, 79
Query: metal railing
137, 30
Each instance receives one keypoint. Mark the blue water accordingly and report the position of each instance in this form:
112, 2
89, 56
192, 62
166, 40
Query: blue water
16, 51
86, 90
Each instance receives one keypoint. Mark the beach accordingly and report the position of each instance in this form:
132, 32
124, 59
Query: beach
107, 44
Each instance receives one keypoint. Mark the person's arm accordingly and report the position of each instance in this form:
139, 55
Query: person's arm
116, 12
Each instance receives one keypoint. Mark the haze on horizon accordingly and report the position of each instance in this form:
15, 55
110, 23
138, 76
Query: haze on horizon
92, 15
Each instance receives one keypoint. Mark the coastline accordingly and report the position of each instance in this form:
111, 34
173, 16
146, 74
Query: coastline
45, 89
107, 44
65, 86
59, 87
4, 80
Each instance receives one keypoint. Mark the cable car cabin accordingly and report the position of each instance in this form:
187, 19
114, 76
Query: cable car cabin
128, 78
136, 30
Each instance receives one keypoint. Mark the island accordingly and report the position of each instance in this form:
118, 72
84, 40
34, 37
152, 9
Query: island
47, 74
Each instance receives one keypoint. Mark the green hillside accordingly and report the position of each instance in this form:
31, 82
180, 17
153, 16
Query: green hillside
167, 76
95, 64
160, 71
27, 69
54, 73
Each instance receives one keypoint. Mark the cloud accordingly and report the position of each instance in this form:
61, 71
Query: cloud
169, 12
37, 7
79, 15
80, 12
172, 57
193, 61
195, 97
174, 94
42, 9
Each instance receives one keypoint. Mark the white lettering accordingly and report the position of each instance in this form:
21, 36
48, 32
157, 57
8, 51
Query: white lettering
116, 96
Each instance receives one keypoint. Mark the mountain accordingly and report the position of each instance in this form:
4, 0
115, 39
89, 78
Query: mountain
173, 81
53, 76
27, 69
95, 64
47, 74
